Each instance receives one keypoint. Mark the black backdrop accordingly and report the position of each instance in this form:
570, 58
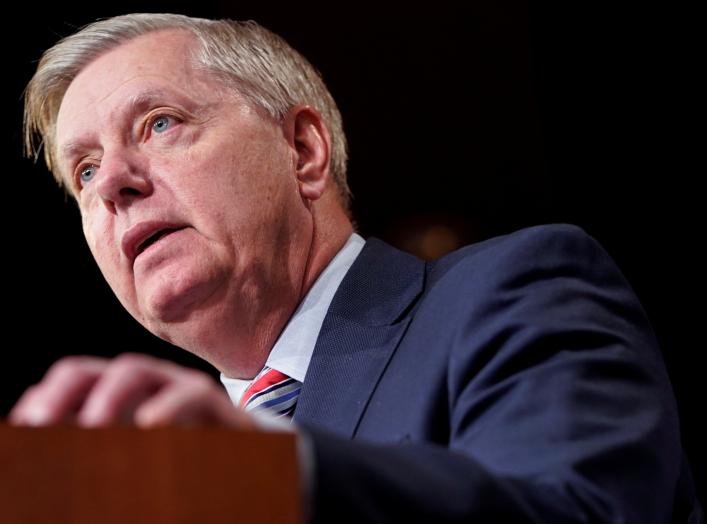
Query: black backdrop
463, 123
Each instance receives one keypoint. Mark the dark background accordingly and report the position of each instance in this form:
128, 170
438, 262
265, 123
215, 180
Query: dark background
463, 123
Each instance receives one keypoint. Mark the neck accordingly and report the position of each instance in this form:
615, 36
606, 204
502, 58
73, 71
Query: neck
328, 237
330, 229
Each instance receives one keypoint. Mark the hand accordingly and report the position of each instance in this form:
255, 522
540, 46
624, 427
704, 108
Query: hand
133, 389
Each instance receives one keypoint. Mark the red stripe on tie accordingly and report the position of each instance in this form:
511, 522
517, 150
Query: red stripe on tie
269, 378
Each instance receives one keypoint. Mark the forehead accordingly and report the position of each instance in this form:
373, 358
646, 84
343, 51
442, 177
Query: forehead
161, 56
158, 62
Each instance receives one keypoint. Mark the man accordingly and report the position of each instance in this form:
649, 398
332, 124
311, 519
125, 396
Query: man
516, 380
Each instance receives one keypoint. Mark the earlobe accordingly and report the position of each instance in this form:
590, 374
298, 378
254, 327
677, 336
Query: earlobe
309, 138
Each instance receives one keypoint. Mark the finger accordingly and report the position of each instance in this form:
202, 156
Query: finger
194, 399
126, 383
60, 393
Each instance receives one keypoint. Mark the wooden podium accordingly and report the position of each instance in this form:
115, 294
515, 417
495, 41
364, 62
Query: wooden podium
162, 476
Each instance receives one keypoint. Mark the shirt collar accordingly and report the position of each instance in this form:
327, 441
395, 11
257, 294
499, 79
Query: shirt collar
293, 350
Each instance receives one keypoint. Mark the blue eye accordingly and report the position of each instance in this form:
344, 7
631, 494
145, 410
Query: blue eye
161, 124
87, 173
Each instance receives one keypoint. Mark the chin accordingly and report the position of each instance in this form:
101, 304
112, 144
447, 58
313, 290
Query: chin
193, 329
177, 301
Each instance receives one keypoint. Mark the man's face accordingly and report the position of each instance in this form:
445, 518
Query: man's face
188, 196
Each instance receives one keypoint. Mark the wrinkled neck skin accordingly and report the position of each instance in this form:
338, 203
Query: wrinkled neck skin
237, 341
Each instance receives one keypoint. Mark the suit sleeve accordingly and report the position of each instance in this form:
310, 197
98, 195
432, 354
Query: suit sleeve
558, 406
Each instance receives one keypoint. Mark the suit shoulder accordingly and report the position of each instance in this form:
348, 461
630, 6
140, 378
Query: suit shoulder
545, 247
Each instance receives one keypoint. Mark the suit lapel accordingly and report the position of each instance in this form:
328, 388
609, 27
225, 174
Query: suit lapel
362, 329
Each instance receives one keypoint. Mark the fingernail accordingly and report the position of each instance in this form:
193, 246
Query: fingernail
36, 416
89, 419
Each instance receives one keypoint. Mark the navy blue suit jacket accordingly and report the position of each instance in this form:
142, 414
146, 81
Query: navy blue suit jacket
515, 380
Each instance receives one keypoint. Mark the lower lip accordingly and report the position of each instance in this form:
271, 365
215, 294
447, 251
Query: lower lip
158, 242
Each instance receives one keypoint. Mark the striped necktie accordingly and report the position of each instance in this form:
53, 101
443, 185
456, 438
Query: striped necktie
272, 391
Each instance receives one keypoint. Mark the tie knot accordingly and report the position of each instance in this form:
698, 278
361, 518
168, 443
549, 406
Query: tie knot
272, 391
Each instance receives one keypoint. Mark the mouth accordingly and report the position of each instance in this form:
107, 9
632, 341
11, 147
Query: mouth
157, 235
145, 234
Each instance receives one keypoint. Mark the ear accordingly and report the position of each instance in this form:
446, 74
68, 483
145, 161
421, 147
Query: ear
309, 138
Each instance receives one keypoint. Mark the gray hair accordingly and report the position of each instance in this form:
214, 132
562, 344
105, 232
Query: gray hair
258, 64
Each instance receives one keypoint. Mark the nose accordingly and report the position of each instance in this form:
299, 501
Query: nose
123, 177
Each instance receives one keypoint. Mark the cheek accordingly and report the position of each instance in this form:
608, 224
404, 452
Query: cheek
94, 229
104, 247
89, 232
106, 252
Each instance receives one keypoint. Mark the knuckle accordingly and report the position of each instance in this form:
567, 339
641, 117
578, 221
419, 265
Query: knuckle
66, 367
129, 364
30, 391
197, 381
129, 360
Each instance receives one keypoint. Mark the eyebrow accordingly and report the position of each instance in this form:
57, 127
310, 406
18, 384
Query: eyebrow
136, 104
